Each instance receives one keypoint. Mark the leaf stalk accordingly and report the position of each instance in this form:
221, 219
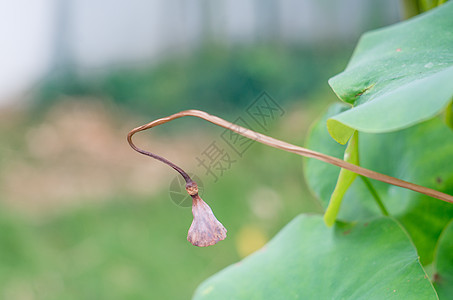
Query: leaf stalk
275, 143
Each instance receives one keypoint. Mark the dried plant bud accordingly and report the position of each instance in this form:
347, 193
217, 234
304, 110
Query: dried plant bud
192, 188
205, 230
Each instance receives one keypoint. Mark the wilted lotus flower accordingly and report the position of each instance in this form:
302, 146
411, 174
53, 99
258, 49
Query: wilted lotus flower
205, 230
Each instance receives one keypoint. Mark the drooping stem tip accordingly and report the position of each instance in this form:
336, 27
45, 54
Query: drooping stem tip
205, 230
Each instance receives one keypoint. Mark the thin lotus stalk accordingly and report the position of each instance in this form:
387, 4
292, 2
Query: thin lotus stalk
275, 143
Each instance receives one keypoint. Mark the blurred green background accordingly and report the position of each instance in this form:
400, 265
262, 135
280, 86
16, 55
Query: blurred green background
85, 217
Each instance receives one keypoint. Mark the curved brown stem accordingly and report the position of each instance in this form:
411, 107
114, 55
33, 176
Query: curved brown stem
155, 156
263, 139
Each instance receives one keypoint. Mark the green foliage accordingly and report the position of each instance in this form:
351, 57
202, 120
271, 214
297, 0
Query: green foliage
397, 77
449, 115
407, 154
307, 260
443, 278
397, 81
213, 78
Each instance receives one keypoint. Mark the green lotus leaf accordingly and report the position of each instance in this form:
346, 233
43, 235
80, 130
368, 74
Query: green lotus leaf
398, 76
308, 260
